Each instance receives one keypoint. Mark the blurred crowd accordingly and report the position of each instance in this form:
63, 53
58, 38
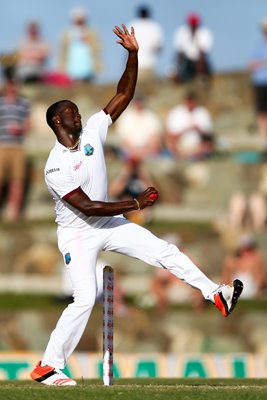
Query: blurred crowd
80, 54
185, 134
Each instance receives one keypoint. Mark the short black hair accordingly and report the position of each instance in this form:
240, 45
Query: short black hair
143, 11
53, 110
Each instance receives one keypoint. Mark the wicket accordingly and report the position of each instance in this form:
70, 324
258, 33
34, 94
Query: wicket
108, 284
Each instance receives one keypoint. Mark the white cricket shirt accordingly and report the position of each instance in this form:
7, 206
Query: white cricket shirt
180, 122
66, 171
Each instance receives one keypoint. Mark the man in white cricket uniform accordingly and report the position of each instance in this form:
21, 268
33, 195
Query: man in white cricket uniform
88, 223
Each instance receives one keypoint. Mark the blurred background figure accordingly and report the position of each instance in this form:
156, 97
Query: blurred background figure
150, 37
258, 68
164, 285
133, 180
189, 130
33, 53
248, 264
192, 45
140, 131
251, 211
80, 48
14, 124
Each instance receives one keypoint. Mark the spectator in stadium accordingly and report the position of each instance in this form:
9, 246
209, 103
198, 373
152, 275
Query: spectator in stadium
14, 124
80, 48
258, 68
33, 53
189, 130
150, 36
192, 45
248, 263
140, 131
248, 210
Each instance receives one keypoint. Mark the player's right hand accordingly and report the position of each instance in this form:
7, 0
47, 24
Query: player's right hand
148, 197
126, 39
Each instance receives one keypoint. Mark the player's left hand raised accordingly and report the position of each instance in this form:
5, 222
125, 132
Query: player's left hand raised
127, 40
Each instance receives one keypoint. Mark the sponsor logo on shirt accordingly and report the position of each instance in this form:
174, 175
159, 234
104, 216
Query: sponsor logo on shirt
88, 150
49, 171
77, 166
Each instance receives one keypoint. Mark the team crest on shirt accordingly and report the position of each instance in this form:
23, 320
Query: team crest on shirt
88, 150
67, 258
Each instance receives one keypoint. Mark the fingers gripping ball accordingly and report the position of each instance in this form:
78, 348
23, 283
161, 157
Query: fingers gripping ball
154, 196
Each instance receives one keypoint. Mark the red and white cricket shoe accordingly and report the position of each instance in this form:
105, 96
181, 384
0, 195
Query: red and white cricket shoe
226, 296
51, 376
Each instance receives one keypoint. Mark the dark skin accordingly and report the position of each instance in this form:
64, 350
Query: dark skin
68, 126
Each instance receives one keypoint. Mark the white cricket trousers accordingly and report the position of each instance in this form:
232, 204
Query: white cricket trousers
80, 249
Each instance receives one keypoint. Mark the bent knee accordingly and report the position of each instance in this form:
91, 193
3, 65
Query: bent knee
84, 301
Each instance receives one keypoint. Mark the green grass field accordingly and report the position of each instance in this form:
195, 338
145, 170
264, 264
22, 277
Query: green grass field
144, 389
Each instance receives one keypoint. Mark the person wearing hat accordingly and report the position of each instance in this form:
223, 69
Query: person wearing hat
192, 45
80, 48
258, 68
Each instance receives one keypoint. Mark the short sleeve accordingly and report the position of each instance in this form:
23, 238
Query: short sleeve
179, 38
176, 121
61, 181
159, 35
205, 39
26, 107
98, 124
203, 119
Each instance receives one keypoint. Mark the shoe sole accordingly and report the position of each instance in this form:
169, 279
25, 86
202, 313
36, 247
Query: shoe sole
58, 382
222, 304
238, 287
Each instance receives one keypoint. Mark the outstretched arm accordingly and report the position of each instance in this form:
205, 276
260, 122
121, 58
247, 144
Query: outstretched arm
83, 203
126, 85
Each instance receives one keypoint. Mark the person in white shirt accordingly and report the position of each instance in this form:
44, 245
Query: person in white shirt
189, 130
140, 131
192, 45
88, 222
33, 54
150, 37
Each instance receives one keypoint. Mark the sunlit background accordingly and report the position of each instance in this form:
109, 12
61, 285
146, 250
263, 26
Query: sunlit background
179, 335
